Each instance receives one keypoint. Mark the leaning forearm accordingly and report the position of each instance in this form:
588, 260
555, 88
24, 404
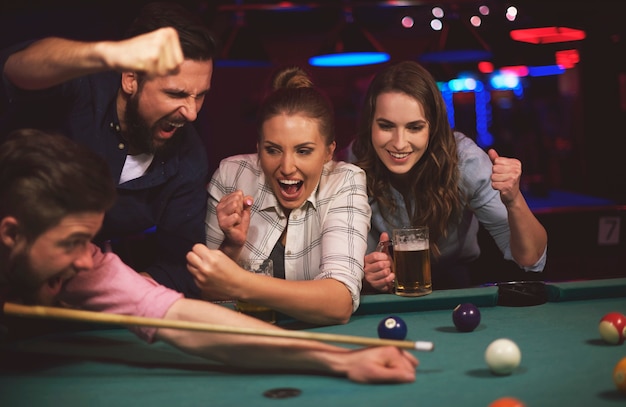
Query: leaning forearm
268, 354
242, 350
528, 236
323, 302
52, 61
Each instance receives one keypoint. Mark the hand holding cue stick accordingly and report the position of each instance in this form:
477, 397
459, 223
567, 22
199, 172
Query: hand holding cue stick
36, 311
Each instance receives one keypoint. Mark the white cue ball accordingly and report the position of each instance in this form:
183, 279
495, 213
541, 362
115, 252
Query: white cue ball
503, 356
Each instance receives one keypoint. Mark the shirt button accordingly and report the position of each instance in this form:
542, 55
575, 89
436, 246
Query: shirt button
120, 146
288, 252
294, 217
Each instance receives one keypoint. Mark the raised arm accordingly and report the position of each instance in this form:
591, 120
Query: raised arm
52, 61
528, 237
370, 365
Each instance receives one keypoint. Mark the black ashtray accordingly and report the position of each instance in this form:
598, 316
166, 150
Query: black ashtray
522, 293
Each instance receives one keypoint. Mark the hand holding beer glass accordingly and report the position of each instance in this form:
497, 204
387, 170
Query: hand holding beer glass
266, 268
411, 261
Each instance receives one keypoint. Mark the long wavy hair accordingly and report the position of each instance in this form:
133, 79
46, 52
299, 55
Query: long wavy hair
432, 184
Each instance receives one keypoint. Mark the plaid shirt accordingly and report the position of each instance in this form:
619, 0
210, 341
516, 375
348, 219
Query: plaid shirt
326, 236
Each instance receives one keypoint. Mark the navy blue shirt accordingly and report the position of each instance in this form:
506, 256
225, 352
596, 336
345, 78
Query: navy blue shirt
169, 199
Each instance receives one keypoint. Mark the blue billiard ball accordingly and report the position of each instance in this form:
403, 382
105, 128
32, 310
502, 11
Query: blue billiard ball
466, 317
392, 327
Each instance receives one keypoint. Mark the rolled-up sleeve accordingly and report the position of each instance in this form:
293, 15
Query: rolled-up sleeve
113, 287
345, 228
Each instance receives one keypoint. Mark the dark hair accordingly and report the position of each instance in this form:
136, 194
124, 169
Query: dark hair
196, 40
45, 177
433, 182
293, 93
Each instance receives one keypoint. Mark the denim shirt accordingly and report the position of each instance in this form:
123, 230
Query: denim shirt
170, 198
482, 204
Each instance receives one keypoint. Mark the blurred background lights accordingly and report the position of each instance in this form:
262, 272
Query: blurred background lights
485, 67
567, 58
484, 10
546, 70
511, 13
407, 22
436, 24
437, 12
518, 70
505, 80
475, 21
463, 84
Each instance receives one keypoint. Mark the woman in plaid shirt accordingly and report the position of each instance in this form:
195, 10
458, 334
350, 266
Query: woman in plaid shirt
293, 204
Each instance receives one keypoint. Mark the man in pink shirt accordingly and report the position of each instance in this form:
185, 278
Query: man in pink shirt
54, 196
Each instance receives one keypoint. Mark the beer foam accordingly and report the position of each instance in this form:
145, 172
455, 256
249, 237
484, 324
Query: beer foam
410, 246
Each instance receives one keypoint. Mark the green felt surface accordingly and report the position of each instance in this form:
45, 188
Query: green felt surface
580, 290
564, 361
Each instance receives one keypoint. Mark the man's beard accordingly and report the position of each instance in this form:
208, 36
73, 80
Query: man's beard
22, 281
139, 133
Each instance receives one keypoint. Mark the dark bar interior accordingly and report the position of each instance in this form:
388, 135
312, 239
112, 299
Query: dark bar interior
567, 128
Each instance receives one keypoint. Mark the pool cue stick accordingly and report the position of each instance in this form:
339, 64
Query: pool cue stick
36, 311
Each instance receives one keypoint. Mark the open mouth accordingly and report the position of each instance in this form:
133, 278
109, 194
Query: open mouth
290, 186
170, 126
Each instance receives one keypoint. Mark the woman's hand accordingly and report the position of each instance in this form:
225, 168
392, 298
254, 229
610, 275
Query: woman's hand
378, 272
233, 217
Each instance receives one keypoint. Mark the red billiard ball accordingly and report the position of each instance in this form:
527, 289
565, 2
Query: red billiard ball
619, 375
507, 402
392, 327
613, 328
466, 317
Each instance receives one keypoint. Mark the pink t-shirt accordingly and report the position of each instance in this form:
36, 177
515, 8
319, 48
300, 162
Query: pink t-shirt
113, 287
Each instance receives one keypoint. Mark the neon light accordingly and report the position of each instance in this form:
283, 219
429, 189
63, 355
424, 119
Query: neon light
485, 67
483, 117
504, 81
467, 55
448, 99
547, 35
462, 84
482, 100
349, 59
546, 70
567, 58
518, 70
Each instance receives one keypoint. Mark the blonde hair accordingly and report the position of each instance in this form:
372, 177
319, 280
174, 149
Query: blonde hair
293, 92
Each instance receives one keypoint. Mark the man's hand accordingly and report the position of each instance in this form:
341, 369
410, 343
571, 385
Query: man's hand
381, 365
157, 53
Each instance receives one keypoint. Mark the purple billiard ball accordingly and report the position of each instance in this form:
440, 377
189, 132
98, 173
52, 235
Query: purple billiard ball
466, 317
392, 327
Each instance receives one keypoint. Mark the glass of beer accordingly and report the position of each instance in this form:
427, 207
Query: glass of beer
263, 267
411, 261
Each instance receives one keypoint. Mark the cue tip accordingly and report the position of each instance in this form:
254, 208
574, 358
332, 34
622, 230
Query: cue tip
424, 346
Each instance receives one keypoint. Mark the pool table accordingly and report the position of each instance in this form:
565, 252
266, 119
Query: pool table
564, 361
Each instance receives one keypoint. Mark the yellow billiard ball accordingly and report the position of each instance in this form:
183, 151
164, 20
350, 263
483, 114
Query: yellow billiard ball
619, 375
